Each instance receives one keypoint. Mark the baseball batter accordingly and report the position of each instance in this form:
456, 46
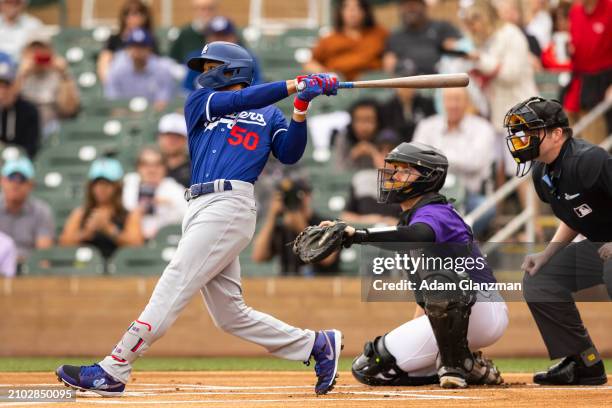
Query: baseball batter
232, 130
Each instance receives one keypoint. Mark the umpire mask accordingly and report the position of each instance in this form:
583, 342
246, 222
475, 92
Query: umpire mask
524, 123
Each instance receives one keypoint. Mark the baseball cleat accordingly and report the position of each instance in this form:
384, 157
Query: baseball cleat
484, 371
90, 378
326, 352
451, 379
570, 371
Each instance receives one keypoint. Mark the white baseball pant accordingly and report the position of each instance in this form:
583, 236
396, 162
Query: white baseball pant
414, 346
216, 228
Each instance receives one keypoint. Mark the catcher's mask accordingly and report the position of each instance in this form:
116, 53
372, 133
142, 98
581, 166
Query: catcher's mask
525, 122
411, 170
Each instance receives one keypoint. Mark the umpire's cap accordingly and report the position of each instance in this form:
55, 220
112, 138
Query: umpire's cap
235, 61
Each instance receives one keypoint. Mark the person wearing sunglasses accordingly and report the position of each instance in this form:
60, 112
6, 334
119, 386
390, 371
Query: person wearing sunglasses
575, 178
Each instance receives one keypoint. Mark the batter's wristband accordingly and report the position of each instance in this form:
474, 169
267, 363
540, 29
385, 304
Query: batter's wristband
300, 105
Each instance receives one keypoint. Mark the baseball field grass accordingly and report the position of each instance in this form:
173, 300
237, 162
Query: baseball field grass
32, 364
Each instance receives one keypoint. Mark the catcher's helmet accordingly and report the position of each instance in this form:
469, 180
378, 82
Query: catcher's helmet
522, 119
426, 172
234, 60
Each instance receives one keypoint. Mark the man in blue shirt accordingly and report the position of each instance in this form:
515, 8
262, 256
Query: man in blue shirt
139, 72
232, 129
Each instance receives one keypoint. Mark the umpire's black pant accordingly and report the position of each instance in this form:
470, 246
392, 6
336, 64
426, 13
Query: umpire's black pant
549, 296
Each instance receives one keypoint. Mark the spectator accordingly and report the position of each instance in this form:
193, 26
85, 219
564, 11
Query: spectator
160, 199
355, 46
540, 23
172, 140
102, 221
418, 45
591, 60
511, 11
27, 220
363, 206
45, 80
455, 133
404, 110
140, 73
19, 119
290, 212
501, 68
135, 14
192, 36
8, 256
15, 26
355, 146
219, 29
556, 54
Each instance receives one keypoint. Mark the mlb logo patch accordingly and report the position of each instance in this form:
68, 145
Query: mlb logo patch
205, 50
583, 210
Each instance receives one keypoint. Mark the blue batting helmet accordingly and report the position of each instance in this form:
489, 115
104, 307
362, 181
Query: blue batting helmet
234, 59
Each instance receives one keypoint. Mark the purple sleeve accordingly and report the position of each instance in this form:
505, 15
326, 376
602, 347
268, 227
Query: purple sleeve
427, 216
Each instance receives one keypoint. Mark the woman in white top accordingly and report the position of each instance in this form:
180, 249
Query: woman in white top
160, 198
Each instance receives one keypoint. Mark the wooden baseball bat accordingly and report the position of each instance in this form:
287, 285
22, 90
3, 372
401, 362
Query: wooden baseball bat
417, 81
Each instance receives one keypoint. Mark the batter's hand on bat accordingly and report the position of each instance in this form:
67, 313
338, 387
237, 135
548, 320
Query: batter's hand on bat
330, 83
309, 87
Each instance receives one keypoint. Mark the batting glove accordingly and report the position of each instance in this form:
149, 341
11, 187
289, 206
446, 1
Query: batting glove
309, 87
330, 83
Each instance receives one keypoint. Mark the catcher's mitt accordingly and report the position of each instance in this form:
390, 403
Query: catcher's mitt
317, 243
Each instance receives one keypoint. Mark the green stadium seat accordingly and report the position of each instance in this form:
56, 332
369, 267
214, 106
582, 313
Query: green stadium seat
84, 261
167, 236
548, 84
143, 261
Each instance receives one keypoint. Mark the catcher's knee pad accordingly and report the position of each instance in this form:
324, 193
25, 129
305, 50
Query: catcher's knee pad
376, 367
135, 341
448, 308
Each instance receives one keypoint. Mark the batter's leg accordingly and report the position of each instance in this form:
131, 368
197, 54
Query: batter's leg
211, 240
223, 298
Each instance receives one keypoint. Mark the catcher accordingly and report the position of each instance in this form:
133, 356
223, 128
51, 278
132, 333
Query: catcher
436, 345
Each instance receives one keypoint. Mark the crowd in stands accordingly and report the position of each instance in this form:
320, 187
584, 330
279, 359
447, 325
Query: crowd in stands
503, 44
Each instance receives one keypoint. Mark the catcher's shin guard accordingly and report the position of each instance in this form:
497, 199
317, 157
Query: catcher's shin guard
377, 367
448, 308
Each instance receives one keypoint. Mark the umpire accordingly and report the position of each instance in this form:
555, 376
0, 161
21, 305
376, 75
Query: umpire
575, 178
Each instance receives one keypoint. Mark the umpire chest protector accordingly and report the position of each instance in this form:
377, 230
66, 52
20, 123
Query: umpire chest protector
578, 187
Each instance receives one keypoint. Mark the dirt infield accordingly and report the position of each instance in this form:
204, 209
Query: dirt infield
295, 389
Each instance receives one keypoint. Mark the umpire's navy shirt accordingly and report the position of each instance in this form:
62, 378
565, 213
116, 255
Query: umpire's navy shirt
578, 187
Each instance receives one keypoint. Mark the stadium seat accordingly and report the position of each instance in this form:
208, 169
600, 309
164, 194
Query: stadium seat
167, 236
84, 261
141, 261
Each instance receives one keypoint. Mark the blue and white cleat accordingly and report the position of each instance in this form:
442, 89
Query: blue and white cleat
326, 352
90, 378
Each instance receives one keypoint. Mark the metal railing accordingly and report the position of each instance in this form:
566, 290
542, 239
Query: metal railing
526, 218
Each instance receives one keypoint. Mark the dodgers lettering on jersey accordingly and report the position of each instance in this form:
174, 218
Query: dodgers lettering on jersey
232, 147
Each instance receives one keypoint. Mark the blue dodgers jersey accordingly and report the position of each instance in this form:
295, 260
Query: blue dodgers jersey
232, 147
